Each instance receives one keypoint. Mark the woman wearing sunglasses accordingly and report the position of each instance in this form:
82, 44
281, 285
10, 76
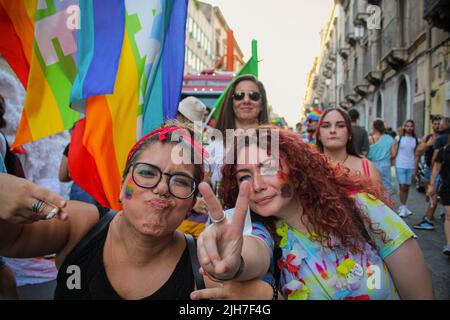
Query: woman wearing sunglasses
330, 235
335, 139
135, 253
244, 107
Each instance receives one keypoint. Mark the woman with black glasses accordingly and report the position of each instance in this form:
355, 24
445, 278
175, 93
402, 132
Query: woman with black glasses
135, 253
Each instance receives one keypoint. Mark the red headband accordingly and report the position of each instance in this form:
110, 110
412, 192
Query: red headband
200, 152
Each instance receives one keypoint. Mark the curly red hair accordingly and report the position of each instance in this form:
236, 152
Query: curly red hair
324, 189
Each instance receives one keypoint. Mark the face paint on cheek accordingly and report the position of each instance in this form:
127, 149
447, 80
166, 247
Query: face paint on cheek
129, 190
286, 189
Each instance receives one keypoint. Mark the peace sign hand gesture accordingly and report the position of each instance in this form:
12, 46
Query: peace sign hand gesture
220, 244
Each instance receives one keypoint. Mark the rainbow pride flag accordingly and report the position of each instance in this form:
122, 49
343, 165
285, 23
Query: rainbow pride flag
124, 71
17, 30
52, 65
146, 90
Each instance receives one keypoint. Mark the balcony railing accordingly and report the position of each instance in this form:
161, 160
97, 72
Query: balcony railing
393, 36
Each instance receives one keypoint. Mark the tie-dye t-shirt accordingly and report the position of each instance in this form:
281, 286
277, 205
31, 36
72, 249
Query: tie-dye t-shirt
310, 271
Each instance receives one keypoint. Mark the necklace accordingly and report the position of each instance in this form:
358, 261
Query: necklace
346, 158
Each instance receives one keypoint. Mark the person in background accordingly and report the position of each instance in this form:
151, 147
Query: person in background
335, 139
26, 279
426, 148
8, 286
390, 132
76, 192
360, 137
444, 132
299, 128
312, 123
380, 150
442, 167
244, 107
192, 110
406, 162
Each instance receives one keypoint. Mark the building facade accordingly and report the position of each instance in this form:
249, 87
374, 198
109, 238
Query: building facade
387, 58
206, 39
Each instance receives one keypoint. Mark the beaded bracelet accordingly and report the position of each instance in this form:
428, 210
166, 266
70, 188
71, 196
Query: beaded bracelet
275, 290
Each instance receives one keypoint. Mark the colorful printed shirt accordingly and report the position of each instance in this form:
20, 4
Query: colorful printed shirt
310, 271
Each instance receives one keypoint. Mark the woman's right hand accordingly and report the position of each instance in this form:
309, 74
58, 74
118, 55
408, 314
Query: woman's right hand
17, 196
431, 190
219, 246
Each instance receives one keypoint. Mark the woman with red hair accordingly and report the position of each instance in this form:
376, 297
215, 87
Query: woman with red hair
331, 232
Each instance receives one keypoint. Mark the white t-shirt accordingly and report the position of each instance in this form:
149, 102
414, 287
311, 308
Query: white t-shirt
216, 151
406, 152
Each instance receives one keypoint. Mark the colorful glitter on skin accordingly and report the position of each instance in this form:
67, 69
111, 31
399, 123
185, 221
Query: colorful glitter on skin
129, 190
286, 189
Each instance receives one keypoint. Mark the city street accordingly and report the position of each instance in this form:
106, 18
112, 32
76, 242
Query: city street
431, 243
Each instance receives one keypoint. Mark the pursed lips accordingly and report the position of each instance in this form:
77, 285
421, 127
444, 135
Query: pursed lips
159, 204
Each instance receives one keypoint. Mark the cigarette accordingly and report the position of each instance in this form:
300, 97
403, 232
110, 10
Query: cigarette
52, 213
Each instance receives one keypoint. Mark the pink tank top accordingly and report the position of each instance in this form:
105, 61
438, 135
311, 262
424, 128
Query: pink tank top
366, 168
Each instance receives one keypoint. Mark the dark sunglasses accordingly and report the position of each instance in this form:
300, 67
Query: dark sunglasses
311, 121
254, 96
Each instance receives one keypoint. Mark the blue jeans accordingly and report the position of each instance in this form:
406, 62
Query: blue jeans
385, 173
404, 176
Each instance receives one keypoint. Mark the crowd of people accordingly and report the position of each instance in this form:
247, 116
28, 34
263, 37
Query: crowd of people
235, 220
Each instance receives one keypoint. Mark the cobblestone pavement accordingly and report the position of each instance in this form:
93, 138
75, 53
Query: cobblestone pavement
431, 243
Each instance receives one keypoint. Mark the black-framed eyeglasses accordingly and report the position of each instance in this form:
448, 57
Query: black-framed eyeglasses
148, 176
254, 96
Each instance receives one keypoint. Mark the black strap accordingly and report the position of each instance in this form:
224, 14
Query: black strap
192, 248
276, 273
94, 232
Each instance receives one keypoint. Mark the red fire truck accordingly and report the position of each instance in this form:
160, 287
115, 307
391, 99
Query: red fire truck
206, 86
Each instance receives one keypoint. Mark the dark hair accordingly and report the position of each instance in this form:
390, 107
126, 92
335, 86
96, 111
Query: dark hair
446, 121
391, 132
350, 147
2, 112
226, 118
404, 124
323, 188
155, 138
354, 114
378, 125
436, 118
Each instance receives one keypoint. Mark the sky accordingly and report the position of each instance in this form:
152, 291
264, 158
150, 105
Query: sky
288, 35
